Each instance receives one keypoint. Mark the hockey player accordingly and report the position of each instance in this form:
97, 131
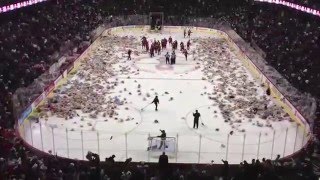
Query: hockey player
184, 33
196, 119
173, 58
156, 102
189, 33
163, 138
152, 50
159, 47
167, 58
170, 40
147, 46
181, 46
143, 42
164, 43
129, 54
188, 44
175, 45
185, 52
154, 45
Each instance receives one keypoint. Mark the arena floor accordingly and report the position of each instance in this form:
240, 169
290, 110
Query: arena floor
213, 81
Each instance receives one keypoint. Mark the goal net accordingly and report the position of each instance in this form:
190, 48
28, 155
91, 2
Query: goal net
156, 21
157, 145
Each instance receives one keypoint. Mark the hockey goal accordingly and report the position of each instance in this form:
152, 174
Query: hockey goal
156, 21
156, 146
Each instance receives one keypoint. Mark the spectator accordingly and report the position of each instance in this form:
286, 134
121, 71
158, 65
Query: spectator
225, 169
110, 160
163, 161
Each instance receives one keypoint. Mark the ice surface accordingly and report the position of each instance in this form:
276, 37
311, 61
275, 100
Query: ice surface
206, 82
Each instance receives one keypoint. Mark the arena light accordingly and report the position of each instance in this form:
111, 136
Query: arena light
11, 7
294, 6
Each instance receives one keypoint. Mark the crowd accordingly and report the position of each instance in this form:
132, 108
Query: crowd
291, 48
292, 45
30, 41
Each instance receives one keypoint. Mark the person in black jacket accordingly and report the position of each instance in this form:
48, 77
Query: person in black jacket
129, 54
163, 166
163, 161
156, 102
225, 169
196, 119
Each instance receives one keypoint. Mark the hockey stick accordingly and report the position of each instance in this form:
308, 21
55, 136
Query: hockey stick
145, 106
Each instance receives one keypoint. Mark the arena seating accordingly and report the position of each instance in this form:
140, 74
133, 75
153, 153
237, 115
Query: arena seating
290, 40
291, 43
30, 37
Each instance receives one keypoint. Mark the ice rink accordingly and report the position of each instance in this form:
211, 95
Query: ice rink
99, 108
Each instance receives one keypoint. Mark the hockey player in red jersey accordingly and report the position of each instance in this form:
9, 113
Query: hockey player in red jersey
159, 47
147, 46
189, 33
152, 50
144, 42
181, 46
174, 45
170, 40
156, 47
164, 43
188, 44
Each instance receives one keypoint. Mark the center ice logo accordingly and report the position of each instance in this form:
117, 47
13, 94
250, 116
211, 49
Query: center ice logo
152, 65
